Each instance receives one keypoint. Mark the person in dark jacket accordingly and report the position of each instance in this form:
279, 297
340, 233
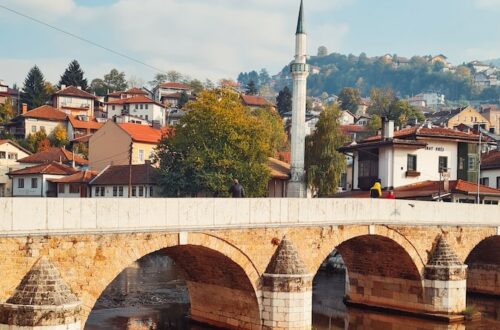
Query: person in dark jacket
237, 190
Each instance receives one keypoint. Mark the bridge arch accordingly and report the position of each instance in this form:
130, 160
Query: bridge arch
483, 263
222, 281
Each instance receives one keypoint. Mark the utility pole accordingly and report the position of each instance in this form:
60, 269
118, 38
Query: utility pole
130, 169
479, 164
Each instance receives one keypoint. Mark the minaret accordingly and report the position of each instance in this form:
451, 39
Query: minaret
299, 70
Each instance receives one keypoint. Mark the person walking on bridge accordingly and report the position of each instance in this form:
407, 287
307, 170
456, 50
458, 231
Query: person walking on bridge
237, 190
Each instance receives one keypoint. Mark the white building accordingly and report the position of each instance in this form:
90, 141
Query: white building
430, 100
35, 181
165, 91
347, 118
10, 152
74, 101
138, 106
490, 169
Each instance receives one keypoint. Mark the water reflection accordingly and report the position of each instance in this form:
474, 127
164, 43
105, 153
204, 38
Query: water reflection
152, 295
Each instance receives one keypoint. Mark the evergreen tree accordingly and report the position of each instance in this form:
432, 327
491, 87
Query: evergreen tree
73, 76
324, 164
34, 93
284, 101
251, 88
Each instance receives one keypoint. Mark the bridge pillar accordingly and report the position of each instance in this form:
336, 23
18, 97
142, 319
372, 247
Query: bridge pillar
286, 291
42, 301
445, 282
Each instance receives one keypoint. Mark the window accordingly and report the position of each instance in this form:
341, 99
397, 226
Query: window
115, 191
150, 191
102, 191
443, 164
498, 182
33, 128
484, 181
490, 202
472, 161
142, 106
112, 107
2, 155
141, 155
146, 106
61, 188
120, 191
13, 155
134, 191
141, 191
34, 183
20, 183
137, 106
412, 163
97, 190
74, 188
146, 117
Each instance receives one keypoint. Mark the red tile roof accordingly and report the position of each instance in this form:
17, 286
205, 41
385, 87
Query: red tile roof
254, 101
143, 133
434, 132
279, 169
76, 92
53, 155
119, 175
78, 177
83, 138
175, 85
491, 160
135, 90
133, 100
51, 168
80, 124
348, 129
46, 112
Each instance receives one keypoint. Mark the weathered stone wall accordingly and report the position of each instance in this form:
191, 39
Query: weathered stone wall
484, 278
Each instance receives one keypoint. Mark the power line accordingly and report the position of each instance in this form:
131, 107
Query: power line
82, 39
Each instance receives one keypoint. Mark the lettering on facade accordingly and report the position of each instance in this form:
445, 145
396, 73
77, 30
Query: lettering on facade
430, 148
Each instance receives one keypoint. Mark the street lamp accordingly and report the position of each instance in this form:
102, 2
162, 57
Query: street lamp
479, 128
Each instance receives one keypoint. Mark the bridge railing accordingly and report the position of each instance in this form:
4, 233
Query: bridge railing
21, 216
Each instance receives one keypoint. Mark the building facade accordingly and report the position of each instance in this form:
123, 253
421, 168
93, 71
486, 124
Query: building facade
10, 152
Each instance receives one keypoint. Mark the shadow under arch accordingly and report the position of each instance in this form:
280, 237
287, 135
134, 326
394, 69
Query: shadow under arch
220, 280
380, 273
484, 266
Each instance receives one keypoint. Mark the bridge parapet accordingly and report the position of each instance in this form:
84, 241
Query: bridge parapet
20, 216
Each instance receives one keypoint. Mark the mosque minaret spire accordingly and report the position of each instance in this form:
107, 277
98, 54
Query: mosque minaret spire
299, 70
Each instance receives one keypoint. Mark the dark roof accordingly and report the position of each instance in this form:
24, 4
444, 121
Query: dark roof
286, 260
300, 22
119, 175
54, 154
490, 160
174, 85
52, 168
75, 92
46, 112
443, 254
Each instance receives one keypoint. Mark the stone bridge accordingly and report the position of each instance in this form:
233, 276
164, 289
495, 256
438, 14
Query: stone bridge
249, 263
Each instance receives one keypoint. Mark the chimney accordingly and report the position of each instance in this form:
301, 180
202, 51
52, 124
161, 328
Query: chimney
79, 87
63, 86
446, 184
24, 108
387, 128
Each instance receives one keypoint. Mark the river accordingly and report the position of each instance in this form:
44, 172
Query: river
151, 294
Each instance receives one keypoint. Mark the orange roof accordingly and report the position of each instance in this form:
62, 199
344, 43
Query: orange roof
135, 90
279, 169
254, 101
46, 112
142, 133
76, 92
54, 155
133, 100
174, 85
53, 168
491, 160
84, 124
434, 132
83, 138
348, 129
78, 177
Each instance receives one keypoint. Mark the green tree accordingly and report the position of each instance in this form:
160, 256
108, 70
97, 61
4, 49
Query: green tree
322, 51
59, 137
196, 86
158, 79
349, 99
264, 77
6, 111
174, 76
284, 101
374, 125
99, 87
183, 99
324, 164
34, 93
73, 76
115, 81
386, 104
34, 141
251, 88
81, 149
218, 140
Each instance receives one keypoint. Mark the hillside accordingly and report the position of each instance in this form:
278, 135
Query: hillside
495, 62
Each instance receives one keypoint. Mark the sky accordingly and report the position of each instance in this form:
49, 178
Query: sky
217, 39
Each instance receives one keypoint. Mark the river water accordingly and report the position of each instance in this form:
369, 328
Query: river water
151, 294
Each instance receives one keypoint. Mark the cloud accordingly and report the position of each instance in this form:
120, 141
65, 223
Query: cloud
488, 3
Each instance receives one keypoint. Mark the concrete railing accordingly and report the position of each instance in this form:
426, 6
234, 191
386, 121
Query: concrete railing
21, 216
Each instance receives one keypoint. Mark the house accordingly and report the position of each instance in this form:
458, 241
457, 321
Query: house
74, 101
10, 152
44, 118
58, 155
483, 80
363, 120
138, 106
427, 100
13, 94
490, 169
280, 174
453, 118
174, 116
412, 155
132, 92
347, 118
115, 180
479, 66
492, 114
255, 102
81, 126
75, 185
168, 88
117, 143
34, 181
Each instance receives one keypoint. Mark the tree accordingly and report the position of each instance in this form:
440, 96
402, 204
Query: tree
34, 93
174, 76
349, 99
196, 86
264, 77
386, 104
73, 76
324, 164
251, 88
49, 88
322, 51
183, 99
158, 79
284, 101
134, 81
6, 111
43, 145
59, 137
81, 149
115, 81
34, 141
99, 87
218, 140
374, 125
